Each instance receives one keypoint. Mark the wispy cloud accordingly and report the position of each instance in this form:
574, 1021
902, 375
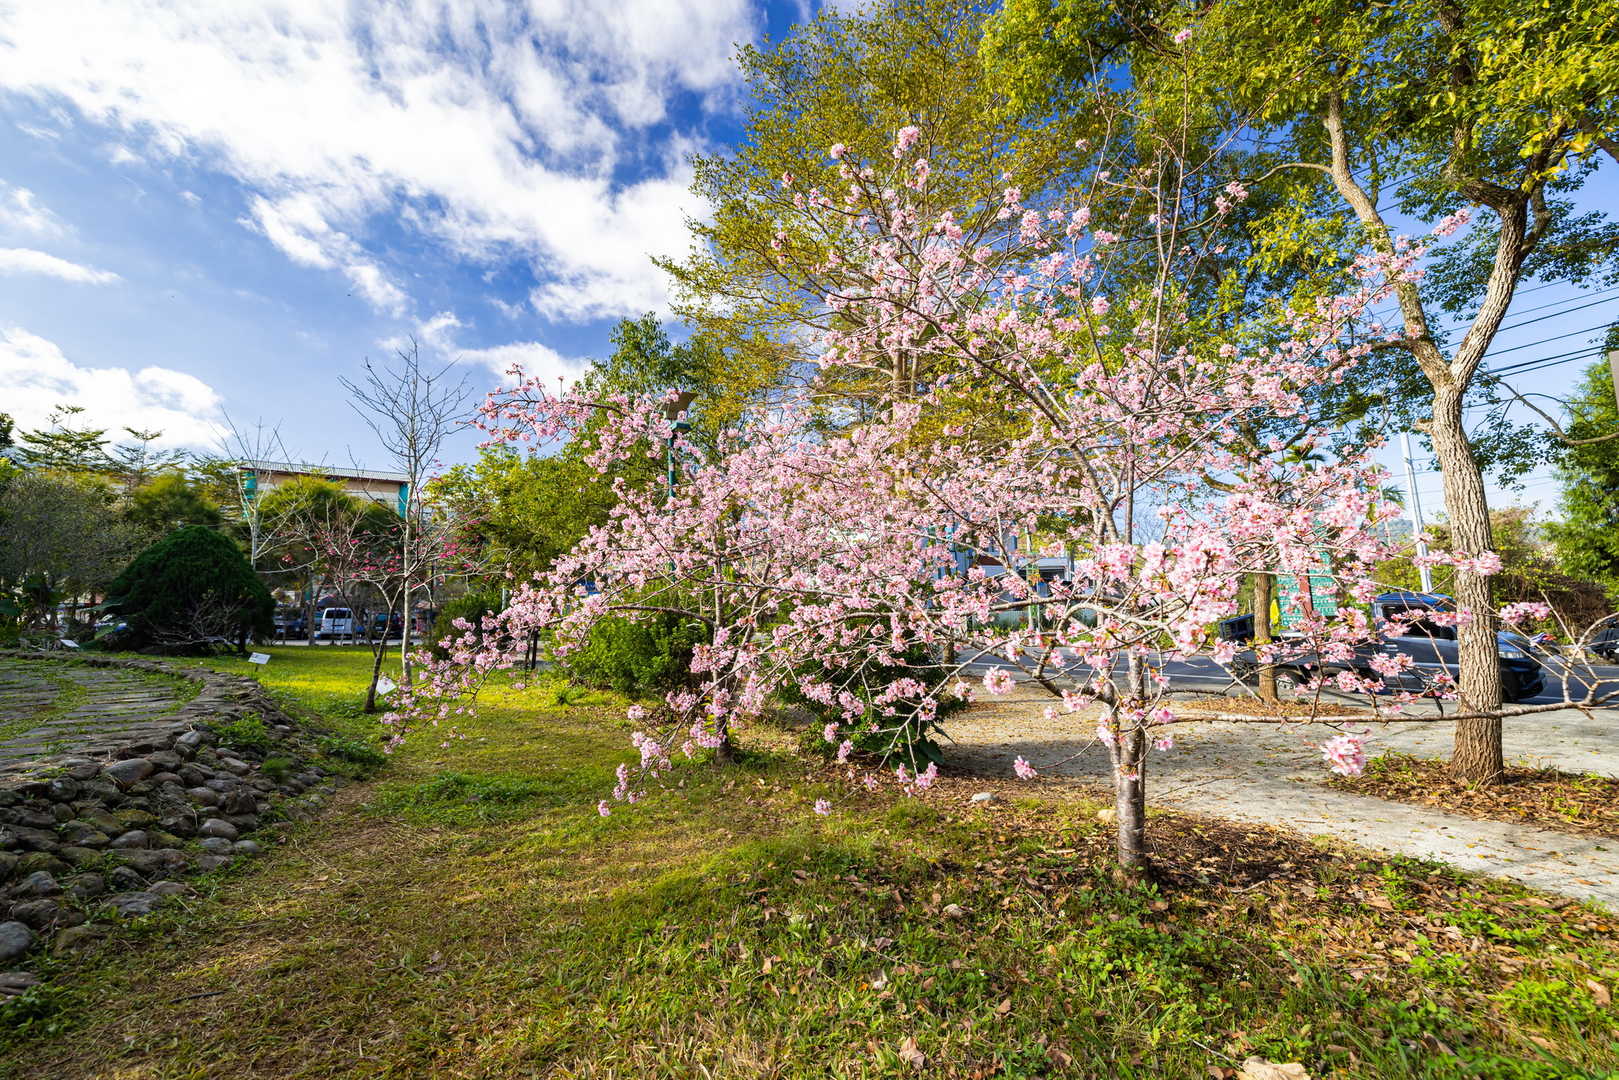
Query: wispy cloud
439, 336
29, 261
21, 211
501, 131
38, 377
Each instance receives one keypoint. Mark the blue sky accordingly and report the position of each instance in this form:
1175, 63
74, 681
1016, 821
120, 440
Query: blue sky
211, 208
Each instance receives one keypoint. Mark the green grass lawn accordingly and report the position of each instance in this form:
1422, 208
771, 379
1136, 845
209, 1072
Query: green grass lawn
469, 914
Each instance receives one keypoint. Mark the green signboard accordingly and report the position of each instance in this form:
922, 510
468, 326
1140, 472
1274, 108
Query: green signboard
1323, 598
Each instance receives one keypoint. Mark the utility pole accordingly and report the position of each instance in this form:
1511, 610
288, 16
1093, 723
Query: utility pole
1415, 498
1613, 369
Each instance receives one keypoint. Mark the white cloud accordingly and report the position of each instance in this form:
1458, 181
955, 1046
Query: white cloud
21, 211
296, 225
37, 377
438, 336
29, 261
494, 127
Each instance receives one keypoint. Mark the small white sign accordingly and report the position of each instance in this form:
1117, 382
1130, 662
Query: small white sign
258, 658
386, 685
69, 643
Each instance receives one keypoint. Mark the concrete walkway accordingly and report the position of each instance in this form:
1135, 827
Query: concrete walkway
1264, 774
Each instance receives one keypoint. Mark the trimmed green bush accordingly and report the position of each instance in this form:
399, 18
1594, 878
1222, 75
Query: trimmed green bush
191, 592
633, 656
472, 607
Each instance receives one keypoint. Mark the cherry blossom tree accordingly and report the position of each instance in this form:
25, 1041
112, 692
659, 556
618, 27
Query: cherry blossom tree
817, 555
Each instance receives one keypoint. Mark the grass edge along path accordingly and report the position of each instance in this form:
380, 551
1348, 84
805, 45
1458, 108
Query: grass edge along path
1586, 804
469, 914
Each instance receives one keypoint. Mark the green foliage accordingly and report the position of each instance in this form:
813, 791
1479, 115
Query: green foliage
60, 535
42, 1012
636, 656
277, 768
188, 592
1587, 536
471, 607
912, 743
1501, 106
361, 758
63, 446
168, 501
855, 78
1552, 1003
247, 733
524, 510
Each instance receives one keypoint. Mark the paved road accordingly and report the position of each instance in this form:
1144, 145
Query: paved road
1203, 676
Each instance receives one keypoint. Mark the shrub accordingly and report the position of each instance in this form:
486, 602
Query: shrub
472, 607
193, 591
911, 743
248, 733
633, 656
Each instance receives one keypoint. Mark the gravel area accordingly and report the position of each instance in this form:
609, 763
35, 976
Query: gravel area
1272, 775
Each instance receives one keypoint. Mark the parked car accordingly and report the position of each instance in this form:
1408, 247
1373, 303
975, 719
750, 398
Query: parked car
335, 622
1604, 641
290, 624
384, 624
1430, 645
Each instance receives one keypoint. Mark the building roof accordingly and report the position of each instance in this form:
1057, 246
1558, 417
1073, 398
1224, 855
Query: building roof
327, 470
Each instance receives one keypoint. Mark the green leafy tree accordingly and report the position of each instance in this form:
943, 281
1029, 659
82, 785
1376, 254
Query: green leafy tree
61, 537
136, 461
1587, 536
751, 279
168, 501
522, 510
190, 592
1370, 118
65, 446
307, 511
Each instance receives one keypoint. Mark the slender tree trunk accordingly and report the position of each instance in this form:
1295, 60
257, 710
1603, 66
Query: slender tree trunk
1130, 799
1264, 591
376, 668
1477, 754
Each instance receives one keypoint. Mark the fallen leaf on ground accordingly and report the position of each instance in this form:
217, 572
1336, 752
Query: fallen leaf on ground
909, 1054
1260, 1069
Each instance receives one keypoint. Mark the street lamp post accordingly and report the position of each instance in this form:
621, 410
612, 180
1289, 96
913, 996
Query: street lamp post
672, 412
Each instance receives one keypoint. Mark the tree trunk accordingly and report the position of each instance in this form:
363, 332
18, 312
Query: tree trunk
1264, 591
1477, 755
376, 668
1130, 799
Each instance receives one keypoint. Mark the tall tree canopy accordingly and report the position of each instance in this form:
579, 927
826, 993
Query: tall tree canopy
1481, 117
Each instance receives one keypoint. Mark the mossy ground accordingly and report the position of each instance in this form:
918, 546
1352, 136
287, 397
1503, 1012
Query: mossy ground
468, 913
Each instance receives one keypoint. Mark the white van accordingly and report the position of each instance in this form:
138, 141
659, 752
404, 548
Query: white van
335, 622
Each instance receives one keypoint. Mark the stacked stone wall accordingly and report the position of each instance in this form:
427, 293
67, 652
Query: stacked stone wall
109, 827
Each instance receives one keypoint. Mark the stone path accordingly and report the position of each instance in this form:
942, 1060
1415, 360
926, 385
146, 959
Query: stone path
1259, 773
51, 708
